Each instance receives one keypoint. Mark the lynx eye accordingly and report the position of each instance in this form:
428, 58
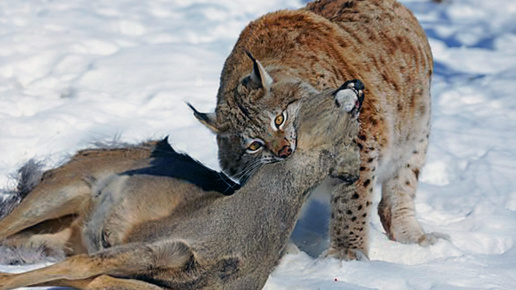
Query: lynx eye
254, 146
280, 119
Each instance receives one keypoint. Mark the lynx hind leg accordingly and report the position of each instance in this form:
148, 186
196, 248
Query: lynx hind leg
397, 209
350, 208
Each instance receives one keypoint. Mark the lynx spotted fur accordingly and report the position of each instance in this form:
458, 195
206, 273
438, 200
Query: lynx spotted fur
295, 53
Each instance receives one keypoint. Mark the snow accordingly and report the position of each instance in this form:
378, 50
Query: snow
76, 72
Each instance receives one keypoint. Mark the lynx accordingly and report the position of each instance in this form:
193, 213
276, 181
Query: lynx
297, 53
149, 229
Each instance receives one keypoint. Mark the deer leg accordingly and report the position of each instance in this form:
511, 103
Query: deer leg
123, 261
102, 282
43, 204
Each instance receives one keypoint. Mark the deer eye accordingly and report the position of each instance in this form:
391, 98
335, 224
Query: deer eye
280, 119
254, 146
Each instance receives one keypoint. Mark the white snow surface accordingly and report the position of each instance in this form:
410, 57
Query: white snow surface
76, 72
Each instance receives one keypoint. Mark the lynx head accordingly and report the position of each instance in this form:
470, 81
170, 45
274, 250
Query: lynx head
256, 122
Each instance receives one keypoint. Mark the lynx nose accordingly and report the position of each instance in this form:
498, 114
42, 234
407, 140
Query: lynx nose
285, 151
281, 147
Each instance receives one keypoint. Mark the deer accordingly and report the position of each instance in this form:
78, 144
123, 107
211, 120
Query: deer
141, 224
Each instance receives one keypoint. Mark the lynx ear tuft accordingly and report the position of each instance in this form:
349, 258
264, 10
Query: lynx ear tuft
259, 77
350, 96
207, 119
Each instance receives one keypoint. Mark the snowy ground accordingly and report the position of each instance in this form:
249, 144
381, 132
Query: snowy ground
75, 72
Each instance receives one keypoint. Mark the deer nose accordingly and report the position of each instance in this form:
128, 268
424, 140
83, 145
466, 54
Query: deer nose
285, 151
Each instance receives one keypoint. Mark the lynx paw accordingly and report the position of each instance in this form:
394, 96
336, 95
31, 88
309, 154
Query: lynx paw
346, 254
429, 239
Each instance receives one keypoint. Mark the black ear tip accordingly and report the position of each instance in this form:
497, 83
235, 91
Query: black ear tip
192, 108
359, 85
356, 84
196, 113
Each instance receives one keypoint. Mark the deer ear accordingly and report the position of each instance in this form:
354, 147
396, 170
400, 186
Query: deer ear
259, 77
350, 96
207, 119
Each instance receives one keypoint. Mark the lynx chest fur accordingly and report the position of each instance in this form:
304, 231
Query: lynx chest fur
284, 56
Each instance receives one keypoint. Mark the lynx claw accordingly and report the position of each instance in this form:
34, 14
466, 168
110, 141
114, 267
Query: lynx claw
429, 239
346, 254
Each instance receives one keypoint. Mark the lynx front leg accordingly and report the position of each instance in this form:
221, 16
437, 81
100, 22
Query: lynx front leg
126, 261
396, 208
350, 208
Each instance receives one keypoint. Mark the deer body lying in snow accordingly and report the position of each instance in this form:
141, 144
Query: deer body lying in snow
152, 231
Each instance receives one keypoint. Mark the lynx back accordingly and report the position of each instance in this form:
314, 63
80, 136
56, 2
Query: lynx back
296, 53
